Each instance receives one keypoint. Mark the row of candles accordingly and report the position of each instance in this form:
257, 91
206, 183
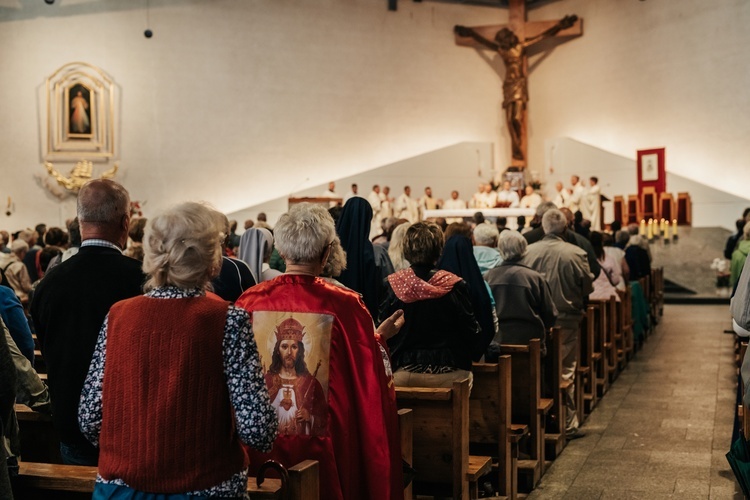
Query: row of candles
654, 228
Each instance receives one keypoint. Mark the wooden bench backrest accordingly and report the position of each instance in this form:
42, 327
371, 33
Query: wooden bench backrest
41, 480
553, 380
440, 435
526, 390
490, 413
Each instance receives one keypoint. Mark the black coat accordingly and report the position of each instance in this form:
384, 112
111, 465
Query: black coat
438, 332
68, 309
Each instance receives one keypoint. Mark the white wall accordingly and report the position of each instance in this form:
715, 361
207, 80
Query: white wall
649, 74
236, 101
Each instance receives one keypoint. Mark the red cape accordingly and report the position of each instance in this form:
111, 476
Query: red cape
360, 454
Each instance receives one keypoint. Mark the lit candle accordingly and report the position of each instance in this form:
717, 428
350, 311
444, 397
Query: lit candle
674, 228
642, 231
650, 229
666, 229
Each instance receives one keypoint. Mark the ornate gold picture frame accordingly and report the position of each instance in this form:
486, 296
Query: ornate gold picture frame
80, 103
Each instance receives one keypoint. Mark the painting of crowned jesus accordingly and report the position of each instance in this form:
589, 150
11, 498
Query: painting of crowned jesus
79, 111
296, 363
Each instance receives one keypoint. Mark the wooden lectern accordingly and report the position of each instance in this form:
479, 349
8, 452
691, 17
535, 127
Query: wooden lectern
318, 200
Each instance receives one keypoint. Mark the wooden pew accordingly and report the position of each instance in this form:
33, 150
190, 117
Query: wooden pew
528, 408
441, 441
490, 429
625, 321
40, 480
406, 428
39, 439
554, 415
590, 360
602, 346
39, 365
611, 337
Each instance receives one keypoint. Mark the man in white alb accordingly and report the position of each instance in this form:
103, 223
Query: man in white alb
576, 194
352, 193
406, 208
427, 202
508, 196
531, 199
454, 203
593, 204
375, 202
561, 195
330, 193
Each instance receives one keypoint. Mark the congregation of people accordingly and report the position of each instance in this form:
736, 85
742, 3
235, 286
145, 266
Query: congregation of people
181, 355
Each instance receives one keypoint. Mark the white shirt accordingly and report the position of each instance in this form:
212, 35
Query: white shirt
532, 200
508, 197
406, 208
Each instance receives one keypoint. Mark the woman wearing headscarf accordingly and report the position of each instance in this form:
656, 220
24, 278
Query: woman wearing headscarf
193, 358
458, 258
256, 246
434, 347
366, 267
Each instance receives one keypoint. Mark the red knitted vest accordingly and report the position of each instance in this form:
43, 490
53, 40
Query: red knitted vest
168, 426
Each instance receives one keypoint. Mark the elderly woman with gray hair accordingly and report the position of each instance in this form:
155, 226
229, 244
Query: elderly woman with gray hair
193, 358
523, 302
325, 372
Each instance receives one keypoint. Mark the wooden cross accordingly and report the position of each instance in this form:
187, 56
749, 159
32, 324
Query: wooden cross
513, 52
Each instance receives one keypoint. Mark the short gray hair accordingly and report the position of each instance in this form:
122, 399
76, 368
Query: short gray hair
544, 207
512, 246
622, 237
182, 246
486, 235
554, 222
102, 201
303, 233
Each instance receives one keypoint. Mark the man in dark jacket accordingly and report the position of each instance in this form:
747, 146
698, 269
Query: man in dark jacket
70, 304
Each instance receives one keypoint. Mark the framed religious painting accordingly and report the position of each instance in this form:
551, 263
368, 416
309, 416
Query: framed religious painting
80, 105
652, 170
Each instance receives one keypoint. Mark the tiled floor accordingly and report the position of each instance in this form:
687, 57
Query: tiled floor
665, 425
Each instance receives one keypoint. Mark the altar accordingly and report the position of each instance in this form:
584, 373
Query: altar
511, 214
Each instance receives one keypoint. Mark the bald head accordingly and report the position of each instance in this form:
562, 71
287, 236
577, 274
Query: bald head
104, 211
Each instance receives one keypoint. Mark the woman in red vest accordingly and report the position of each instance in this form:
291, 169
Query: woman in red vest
175, 385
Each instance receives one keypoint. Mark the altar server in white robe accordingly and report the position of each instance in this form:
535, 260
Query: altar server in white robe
592, 205
406, 207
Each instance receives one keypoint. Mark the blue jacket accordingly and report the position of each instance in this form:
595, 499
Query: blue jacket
11, 312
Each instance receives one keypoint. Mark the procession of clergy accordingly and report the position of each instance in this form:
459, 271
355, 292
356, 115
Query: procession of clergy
577, 198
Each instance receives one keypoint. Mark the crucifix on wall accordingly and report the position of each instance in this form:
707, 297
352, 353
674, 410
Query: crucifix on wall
510, 42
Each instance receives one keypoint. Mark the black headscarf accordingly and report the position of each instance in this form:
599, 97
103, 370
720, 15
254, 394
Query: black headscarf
458, 258
361, 274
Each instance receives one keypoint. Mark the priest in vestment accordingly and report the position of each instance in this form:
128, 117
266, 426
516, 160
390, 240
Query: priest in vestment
591, 205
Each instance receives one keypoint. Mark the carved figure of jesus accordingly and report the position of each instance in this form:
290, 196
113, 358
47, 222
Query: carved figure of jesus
515, 87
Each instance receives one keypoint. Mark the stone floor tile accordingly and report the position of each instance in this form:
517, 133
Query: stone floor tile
586, 493
691, 488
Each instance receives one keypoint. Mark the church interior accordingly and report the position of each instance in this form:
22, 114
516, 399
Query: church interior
246, 104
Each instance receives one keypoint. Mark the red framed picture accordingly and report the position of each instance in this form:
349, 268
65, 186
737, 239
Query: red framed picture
651, 170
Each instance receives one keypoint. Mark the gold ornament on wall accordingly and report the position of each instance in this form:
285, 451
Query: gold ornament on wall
77, 107
80, 175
